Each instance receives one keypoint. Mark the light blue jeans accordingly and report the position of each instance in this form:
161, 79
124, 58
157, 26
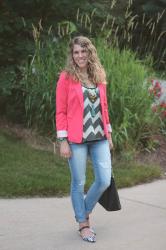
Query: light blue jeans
100, 156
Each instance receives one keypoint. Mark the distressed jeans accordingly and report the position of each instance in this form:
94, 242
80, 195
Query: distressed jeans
100, 156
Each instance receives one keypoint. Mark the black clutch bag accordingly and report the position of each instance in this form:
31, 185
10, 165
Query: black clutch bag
110, 198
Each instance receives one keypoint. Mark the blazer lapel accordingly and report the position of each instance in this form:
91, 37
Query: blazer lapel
78, 89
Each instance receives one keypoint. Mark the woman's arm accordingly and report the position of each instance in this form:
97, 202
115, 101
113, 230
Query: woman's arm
61, 115
61, 106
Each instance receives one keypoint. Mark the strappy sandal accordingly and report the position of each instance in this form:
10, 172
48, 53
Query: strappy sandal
87, 238
91, 229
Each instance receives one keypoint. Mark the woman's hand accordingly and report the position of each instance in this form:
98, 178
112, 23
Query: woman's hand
65, 150
110, 141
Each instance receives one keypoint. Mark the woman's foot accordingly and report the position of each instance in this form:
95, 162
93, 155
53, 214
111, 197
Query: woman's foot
88, 224
86, 233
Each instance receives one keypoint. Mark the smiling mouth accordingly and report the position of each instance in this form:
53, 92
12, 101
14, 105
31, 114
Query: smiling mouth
81, 61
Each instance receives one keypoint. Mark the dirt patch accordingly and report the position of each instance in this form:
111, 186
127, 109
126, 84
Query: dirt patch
157, 156
31, 137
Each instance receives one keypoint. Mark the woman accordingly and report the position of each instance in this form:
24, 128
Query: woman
83, 128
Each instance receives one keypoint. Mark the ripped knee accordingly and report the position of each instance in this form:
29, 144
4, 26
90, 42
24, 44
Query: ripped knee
78, 185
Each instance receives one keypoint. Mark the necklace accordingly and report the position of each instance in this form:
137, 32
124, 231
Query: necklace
92, 96
89, 85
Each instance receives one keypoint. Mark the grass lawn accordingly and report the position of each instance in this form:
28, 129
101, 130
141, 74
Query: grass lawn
27, 172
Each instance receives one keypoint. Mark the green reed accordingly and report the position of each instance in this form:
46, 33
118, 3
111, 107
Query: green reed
39, 79
141, 33
128, 98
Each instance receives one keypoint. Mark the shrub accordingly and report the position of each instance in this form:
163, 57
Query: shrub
129, 102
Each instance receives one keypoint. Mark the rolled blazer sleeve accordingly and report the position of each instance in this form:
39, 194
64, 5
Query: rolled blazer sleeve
61, 106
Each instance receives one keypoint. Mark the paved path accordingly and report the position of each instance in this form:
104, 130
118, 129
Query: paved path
47, 223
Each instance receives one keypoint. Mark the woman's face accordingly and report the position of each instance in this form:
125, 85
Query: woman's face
80, 56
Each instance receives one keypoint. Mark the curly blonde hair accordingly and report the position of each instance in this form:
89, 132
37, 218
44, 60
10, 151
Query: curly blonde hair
96, 72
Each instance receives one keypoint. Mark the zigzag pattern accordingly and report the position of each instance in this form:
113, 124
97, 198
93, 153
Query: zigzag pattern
92, 126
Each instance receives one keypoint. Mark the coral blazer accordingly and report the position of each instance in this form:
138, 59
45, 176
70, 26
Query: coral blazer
70, 108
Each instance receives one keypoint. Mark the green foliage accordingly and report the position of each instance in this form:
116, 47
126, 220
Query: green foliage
14, 36
128, 27
17, 17
135, 23
39, 78
149, 6
11, 96
150, 26
129, 102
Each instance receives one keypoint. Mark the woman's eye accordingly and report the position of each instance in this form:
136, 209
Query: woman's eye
77, 52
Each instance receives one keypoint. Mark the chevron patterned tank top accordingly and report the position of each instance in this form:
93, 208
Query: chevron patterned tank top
92, 119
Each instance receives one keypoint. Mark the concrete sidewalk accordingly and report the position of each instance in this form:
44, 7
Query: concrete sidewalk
48, 224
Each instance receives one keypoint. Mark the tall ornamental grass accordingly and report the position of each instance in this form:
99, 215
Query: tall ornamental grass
126, 29
129, 104
38, 82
